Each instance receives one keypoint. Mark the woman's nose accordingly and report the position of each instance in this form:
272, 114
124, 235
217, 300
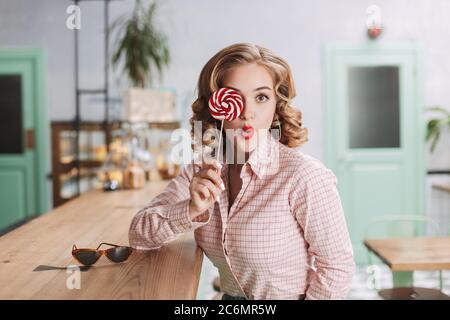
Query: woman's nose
248, 113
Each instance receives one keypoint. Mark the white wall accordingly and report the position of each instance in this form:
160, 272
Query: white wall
198, 28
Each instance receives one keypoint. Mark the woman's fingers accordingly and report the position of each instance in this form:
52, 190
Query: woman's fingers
213, 190
207, 182
211, 171
203, 190
213, 176
214, 164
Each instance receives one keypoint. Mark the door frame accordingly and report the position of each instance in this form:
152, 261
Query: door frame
37, 58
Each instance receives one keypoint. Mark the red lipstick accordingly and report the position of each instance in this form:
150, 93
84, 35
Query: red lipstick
247, 132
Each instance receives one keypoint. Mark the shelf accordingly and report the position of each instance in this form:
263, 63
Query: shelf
91, 91
442, 187
74, 176
65, 167
164, 125
93, 125
68, 125
64, 163
438, 172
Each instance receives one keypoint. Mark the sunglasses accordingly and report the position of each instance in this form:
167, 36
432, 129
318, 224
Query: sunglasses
90, 256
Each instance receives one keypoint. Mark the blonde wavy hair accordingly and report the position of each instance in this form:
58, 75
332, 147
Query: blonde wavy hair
211, 79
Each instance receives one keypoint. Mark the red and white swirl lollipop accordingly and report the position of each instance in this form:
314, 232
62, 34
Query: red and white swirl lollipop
225, 104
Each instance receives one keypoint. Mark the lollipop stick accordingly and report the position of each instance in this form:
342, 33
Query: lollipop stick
220, 139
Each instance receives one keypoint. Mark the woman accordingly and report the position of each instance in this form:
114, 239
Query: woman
272, 223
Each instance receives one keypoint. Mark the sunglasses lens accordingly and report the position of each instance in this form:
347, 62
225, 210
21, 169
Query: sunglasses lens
87, 257
118, 254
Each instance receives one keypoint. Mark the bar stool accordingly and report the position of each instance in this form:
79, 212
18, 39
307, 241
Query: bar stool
413, 293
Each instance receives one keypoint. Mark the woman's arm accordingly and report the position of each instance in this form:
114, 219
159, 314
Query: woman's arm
166, 216
319, 212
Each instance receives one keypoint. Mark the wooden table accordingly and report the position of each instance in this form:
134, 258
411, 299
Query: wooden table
34, 257
410, 254
406, 255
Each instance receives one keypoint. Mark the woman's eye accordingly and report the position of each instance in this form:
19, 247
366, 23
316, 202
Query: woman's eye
262, 98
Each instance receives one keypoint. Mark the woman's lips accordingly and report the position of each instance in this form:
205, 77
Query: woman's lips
247, 132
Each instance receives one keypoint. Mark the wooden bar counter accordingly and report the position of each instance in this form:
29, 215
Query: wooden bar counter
34, 257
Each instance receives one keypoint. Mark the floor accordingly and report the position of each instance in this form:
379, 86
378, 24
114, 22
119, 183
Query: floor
362, 288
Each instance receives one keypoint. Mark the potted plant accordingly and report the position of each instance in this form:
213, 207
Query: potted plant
144, 50
436, 126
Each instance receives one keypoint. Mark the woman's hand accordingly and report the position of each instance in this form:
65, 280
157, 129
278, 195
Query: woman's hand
205, 188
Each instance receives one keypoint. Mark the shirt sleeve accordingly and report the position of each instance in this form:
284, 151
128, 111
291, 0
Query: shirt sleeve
166, 216
318, 210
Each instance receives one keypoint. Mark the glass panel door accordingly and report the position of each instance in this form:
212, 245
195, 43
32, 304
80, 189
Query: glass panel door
11, 132
374, 106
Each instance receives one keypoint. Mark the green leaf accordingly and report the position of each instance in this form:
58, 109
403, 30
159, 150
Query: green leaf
436, 125
439, 109
140, 44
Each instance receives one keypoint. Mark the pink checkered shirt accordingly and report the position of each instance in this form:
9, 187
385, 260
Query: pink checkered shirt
285, 234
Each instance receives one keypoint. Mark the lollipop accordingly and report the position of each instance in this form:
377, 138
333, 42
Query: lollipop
225, 104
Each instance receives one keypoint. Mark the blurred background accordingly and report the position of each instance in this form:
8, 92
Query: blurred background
90, 92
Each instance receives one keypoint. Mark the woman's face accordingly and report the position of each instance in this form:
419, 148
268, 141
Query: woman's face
255, 84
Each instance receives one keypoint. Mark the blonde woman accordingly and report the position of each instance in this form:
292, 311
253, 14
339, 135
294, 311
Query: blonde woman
272, 223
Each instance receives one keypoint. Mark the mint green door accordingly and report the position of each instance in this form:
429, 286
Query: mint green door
374, 132
23, 136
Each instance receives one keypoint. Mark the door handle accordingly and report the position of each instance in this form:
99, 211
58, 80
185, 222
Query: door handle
29, 133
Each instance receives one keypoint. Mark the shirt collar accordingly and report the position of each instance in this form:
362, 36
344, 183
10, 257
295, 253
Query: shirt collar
265, 158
